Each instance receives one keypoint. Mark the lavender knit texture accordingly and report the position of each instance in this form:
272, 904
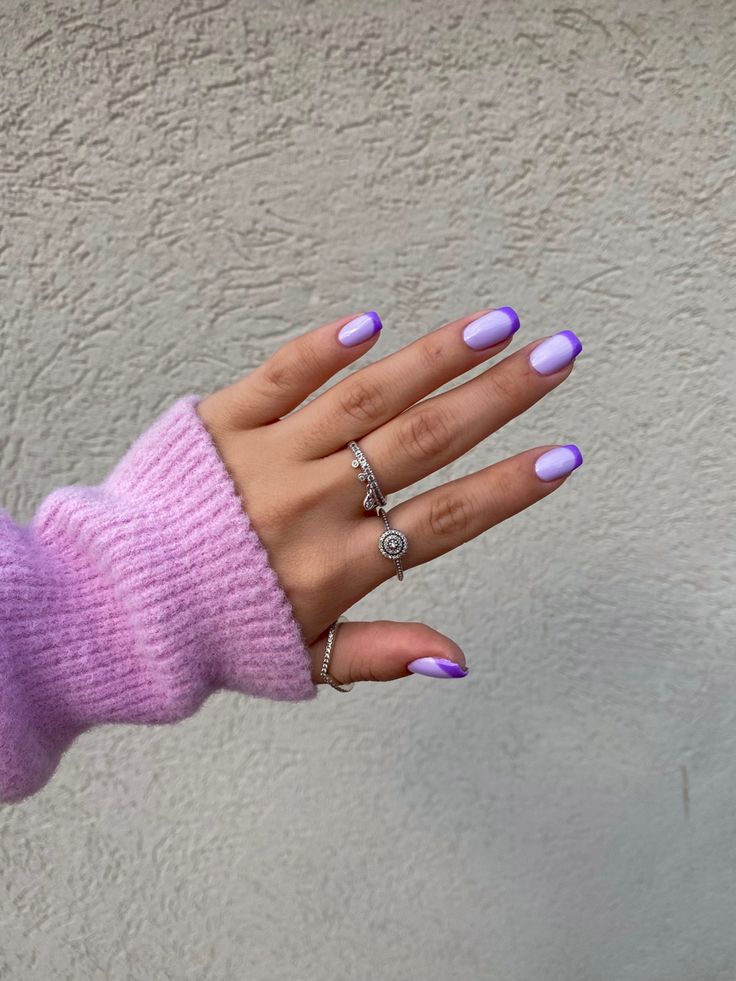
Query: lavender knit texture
134, 600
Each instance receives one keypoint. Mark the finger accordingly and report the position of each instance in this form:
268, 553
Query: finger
438, 430
383, 649
380, 391
443, 518
296, 370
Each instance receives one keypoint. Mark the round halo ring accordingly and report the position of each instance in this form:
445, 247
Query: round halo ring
393, 544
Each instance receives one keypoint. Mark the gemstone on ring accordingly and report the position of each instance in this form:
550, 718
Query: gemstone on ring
393, 544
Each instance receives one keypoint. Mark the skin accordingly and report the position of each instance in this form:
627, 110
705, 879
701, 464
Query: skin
292, 468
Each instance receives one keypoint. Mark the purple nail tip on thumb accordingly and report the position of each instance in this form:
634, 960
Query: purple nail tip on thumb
437, 667
376, 319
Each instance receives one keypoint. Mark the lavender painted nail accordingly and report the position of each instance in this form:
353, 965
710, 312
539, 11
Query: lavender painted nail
558, 462
556, 352
360, 329
437, 667
492, 328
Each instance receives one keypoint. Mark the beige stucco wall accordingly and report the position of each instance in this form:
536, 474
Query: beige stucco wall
185, 184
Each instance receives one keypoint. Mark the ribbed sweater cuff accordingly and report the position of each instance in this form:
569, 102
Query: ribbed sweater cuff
211, 598
132, 601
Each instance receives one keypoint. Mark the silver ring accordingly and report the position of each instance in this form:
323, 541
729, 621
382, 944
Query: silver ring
374, 497
324, 676
393, 543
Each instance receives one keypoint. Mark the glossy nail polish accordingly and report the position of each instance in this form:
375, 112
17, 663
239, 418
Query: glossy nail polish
556, 352
360, 329
558, 462
437, 667
492, 328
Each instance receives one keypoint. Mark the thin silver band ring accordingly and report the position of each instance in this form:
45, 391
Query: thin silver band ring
324, 675
374, 496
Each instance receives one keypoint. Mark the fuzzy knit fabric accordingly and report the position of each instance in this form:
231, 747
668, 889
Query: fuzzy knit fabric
134, 600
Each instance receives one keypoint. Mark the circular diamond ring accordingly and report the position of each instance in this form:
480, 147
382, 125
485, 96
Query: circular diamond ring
393, 543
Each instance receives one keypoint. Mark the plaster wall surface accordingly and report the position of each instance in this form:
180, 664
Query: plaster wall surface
184, 186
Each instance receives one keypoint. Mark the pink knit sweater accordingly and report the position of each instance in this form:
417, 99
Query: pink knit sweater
134, 600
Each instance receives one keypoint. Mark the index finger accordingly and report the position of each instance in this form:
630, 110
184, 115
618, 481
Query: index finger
380, 391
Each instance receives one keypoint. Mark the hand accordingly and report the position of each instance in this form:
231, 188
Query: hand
292, 466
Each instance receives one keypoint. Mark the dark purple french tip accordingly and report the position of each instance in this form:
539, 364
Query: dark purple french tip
376, 320
558, 462
513, 317
575, 450
555, 353
577, 344
360, 329
491, 328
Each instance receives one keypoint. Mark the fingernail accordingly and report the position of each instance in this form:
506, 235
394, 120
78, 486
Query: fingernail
554, 353
437, 667
492, 328
558, 462
359, 329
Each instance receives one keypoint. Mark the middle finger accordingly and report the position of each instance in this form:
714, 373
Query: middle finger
441, 429
378, 392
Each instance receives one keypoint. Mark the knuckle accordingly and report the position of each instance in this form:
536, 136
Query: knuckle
503, 492
286, 370
279, 374
450, 516
506, 385
426, 434
433, 353
309, 355
363, 401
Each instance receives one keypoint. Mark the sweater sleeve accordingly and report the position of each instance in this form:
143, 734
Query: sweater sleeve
134, 600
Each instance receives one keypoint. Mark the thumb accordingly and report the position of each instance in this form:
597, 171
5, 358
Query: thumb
384, 650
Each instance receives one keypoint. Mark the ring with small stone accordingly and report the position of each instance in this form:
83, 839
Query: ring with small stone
392, 544
374, 497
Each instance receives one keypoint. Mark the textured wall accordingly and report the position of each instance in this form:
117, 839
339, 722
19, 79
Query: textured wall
184, 185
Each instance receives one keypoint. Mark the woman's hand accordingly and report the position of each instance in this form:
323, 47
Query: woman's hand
293, 468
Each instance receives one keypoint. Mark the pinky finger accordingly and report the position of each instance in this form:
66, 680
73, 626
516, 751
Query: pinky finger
296, 370
450, 515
